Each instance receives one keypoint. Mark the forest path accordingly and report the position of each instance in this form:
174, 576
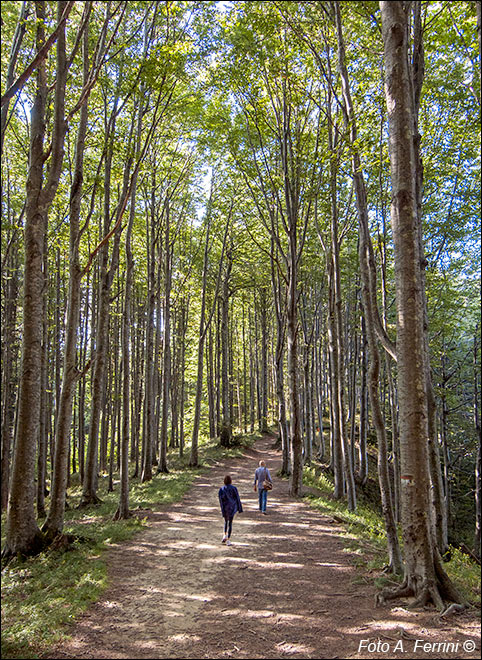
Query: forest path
285, 588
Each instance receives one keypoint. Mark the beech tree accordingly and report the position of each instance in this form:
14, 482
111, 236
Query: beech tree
23, 534
370, 304
154, 315
424, 576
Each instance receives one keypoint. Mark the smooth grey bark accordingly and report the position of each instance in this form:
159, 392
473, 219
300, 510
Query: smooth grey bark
336, 458
210, 384
444, 439
263, 318
194, 456
251, 376
123, 511
277, 289
23, 534
352, 369
225, 435
10, 366
296, 444
424, 576
370, 308
342, 464
477, 428
362, 474
148, 408
182, 368
204, 325
245, 377
307, 357
42, 53
45, 409
417, 71
81, 382
55, 519
166, 343
89, 486
319, 390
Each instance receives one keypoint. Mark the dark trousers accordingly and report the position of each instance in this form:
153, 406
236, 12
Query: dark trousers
228, 526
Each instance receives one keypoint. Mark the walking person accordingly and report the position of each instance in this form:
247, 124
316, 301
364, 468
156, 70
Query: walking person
230, 504
262, 483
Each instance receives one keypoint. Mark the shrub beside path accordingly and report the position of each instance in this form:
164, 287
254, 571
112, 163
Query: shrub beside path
285, 588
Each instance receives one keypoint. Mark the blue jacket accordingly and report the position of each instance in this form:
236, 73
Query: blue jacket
229, 501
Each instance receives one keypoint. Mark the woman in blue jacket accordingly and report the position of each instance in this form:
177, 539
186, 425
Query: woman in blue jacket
230, 504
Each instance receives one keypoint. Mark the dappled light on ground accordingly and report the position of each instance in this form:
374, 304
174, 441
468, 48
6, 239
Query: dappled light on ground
285, 588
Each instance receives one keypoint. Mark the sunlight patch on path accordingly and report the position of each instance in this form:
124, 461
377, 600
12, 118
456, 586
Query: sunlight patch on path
255, 563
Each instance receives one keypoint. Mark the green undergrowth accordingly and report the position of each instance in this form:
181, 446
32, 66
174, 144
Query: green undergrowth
43, 594
366, 538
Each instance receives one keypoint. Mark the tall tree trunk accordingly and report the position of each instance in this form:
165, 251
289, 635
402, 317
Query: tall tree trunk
417, 70
23, 534
252, 380
226, 423
9, 362
182, 368
424, 577
194, 457
279, 362
368, 289
296, 442
362, 474
319, 392
166, 352
264, 360
148, 420
210, 385
45, 409
55, 519
89, 487
477, 427
123, 511
336, 454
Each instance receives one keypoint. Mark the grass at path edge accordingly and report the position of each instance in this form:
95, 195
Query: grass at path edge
42, 595
366, 538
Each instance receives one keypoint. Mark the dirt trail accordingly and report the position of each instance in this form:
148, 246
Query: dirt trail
286, 588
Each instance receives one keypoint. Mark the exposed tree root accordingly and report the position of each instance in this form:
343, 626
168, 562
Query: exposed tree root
391, 594
64, 542
44, 540
118, 515
439, 592
89, 500
34, 547
428, 593
454, 608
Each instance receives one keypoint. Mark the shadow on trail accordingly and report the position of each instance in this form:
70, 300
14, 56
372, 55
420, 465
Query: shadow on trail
286, 588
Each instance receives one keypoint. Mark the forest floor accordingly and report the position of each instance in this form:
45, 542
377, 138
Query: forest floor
286, 588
